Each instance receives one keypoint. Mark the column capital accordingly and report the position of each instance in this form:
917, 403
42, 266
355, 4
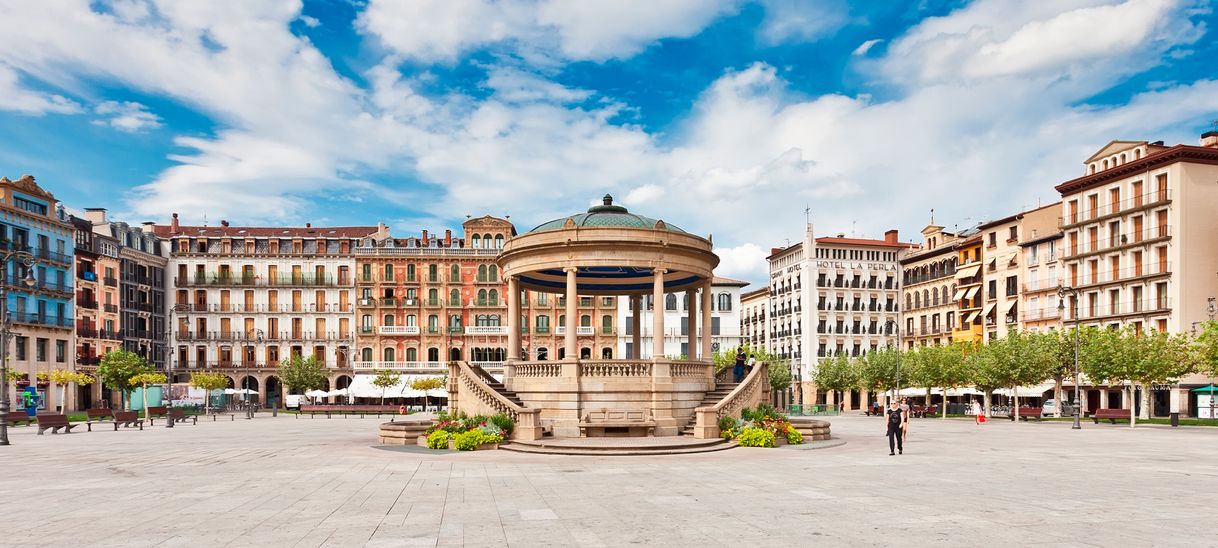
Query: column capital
659, 271
570, 269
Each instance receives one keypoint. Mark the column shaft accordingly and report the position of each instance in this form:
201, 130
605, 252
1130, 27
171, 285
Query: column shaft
571, 345
691, 340
657, 315
636, 326
513, 319
707, 323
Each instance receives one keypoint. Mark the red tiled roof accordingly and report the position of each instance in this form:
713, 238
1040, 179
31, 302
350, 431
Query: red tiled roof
266, 232
861, 241
719, 280
1178, 153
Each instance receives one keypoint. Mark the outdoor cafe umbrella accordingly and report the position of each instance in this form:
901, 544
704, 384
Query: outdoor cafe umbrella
316, 393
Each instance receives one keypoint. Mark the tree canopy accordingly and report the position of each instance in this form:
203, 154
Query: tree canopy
302, 373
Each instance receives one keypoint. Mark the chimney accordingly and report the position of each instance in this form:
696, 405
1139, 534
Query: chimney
426, 241
96, 215
382, 231
149, 227
890, 236
1209, 139
173, 225
307, 225
224, 223
448, 238
775, 250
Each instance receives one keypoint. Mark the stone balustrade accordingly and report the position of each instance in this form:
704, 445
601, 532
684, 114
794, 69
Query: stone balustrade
751, 391
615, 368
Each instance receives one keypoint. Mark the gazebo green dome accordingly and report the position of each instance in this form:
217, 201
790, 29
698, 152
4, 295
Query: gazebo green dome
606, 215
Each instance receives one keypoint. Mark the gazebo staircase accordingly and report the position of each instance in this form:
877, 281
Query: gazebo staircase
713, 397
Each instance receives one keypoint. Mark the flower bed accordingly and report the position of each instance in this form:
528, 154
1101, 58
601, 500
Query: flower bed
763, 427
468, 433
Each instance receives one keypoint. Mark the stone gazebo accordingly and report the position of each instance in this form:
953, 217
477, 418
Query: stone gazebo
606, 251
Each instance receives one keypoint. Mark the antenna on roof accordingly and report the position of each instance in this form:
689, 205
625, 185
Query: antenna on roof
1213, 125
204, 219
932, 215
807, 213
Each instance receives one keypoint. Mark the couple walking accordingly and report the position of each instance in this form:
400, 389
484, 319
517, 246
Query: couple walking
897, 421
738, 368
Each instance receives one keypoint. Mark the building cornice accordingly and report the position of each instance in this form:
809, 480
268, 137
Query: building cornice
1178, 153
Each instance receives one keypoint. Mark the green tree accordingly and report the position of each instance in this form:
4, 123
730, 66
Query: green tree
1158, 358
920, 369
952, 370
1207, 348
1032, 359
300, 373
145, 379
117, 368
838, 374
384, 380
878, 370
987, 365
208, 382
428, 383
63, 378
1101, 356
1061, 345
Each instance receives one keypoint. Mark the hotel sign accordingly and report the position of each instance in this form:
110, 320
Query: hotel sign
845, 265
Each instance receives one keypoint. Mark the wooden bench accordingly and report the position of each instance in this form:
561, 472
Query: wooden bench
154, 413
1025, 413
346, 410
15, 417
98, 415
178, 416
1112, 415
54, 423
626, 422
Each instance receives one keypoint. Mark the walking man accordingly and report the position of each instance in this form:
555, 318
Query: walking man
738, 369
896, 423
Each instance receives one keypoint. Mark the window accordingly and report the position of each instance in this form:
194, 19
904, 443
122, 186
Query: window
30, 206
388, 272
388, 354
40, 350
715, 325
1012, 282
22, 342
993, 237
455, 274
670, 302
366, 354
1014, 234
725, 301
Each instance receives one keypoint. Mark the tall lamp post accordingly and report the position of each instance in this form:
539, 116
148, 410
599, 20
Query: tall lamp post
1062, 292
28, 260
896, 332
181, 309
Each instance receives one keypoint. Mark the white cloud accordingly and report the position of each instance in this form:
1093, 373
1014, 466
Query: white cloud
597, 30
14, 97
127, 116
866, 47
745, 262
796, 20
515, 85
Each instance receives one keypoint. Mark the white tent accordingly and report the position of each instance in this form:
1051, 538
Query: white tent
338, 392
316, 393
1037, 391
361, 387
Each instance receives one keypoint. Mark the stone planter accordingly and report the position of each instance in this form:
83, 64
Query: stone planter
402, 432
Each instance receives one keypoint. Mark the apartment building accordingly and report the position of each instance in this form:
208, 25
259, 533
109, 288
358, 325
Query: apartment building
754, 305
38, 289
425, 300
833, 296
970, 287
1004, 265
1042, 280
927, 285
98, 321
143, 258
247, 298
725, 321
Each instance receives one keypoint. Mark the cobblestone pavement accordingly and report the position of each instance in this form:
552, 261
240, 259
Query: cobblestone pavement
317, 482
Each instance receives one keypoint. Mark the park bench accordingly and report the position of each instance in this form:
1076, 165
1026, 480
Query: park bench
98, 415
15, 417
1026, 413
178, 416
632, 422
346, 410
156, 412
129, 419
54, 423
1112, 415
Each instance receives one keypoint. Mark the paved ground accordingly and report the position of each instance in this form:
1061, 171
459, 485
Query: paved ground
302, 482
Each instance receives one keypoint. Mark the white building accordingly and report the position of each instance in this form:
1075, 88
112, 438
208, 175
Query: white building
831, 296
754, 306
725, 321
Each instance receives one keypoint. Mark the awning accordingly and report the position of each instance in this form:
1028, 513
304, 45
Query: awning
988, 308
967, 272
1006, 309
959, 294
972, 316
1211, 389
361, 387
971, 291
1009, 258
1027, 391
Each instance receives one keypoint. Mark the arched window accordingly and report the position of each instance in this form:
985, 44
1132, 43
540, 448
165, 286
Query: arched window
410, 272
1092, 169
433, 323
606, 353
926, 297
476, 241
493, 320
725, 301
412, 354
412, 320
670, 302
455, 273
585, 321
492, 273
542, 354
1105, 163
454, 298
388, 272
366, 354
433, 295
494, 297
1122, 159
389, 354
562, 320
917, 300
486, 241
499, 241
946, 296
482, 273
366, 321
482, 297
433, 354
454, 321
1137, 153
935, 296
388, 320
908, 301
607, 324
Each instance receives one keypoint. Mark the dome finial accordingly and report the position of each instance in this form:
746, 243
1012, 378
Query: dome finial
608, 199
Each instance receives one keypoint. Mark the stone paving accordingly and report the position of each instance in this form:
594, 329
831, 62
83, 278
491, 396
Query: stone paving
289, 482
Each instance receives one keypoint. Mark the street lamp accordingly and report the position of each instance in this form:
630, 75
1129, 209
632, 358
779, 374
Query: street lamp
28, 260
1061, 308
182, 309
895, 328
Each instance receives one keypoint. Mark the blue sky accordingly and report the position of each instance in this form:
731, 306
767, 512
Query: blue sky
724, 117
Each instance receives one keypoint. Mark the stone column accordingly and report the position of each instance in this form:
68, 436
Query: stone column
1103, 397
706, 322
657, 314
636, 326
570, 344
513, 327
691, 339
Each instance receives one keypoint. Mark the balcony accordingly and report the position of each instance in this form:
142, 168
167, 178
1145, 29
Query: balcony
486, 330
87, 275
86, 331
580, 330
422, 367
110, 308
398, 330
110, 281
388, 302
455, 330
279, 280
1143, 201
1122, 275
490, 303
1132, 238
366, 303
86, 301
433, 303
87, 360
33, 318
541, 330
53, 256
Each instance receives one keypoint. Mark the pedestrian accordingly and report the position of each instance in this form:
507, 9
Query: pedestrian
895, 423
738, 369
905, 409
978, 416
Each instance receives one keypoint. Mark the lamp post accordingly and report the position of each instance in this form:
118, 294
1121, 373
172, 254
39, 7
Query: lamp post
28, 260
896, 332
181, 309
1061, 308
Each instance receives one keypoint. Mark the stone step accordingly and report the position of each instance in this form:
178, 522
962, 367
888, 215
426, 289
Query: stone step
719, 445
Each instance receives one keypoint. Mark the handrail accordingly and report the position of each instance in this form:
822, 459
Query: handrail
472, 382
748, 393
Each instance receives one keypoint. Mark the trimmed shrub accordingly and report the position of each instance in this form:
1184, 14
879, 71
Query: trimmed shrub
468, 441
794, 437
755, 437
504, 423
438, 440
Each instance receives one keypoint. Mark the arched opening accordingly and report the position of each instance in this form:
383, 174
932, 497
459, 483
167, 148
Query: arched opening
412, 354
365, 354
606, 353
585, 353
482, 273
388, 320
476, 241
454, 273
274, 392
249, 382
543, 354
389, 354
454, 354
433, 354
499, 241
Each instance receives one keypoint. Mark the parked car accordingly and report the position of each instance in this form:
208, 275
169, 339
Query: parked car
1050, 405
292, 401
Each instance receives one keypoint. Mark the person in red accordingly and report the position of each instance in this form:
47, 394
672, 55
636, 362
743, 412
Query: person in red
895, 419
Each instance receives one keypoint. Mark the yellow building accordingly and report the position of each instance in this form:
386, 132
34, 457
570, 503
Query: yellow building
969, 290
